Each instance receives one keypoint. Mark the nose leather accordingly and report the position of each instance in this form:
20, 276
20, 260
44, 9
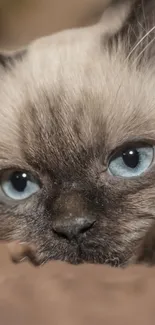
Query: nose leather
72, 227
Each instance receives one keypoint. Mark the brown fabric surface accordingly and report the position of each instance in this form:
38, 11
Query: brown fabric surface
58, 293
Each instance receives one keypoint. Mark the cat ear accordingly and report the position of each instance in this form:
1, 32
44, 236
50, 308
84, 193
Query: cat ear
8, 59
115, 15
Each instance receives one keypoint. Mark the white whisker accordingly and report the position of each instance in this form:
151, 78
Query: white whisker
144, 49
141, 40
142, 27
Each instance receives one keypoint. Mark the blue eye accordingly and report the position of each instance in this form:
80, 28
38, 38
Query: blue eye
19, 185
132, 162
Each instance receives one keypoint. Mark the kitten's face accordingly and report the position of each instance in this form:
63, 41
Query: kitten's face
72, 117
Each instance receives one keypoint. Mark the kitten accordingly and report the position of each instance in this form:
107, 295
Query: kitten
77, 136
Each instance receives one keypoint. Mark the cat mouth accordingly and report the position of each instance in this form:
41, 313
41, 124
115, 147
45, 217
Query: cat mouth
75, 253
81, 254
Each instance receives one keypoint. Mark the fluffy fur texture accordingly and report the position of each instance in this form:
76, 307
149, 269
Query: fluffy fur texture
67, 104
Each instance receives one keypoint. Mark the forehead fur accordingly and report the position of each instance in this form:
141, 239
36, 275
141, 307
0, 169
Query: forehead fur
71, 91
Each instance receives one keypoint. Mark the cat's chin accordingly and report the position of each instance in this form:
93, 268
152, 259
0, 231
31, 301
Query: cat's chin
79, 255
76, 260
73, 252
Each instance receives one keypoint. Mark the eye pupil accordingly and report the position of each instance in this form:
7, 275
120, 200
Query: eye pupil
131, 158
19, 181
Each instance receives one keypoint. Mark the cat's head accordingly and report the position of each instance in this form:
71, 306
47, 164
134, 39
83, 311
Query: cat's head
77, 143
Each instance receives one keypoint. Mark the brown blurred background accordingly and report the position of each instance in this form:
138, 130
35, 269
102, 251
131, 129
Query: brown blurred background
24, 20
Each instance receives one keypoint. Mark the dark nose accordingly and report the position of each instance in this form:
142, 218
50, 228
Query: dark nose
72, 227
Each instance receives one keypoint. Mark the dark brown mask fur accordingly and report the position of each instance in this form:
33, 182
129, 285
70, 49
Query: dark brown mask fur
67, 104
